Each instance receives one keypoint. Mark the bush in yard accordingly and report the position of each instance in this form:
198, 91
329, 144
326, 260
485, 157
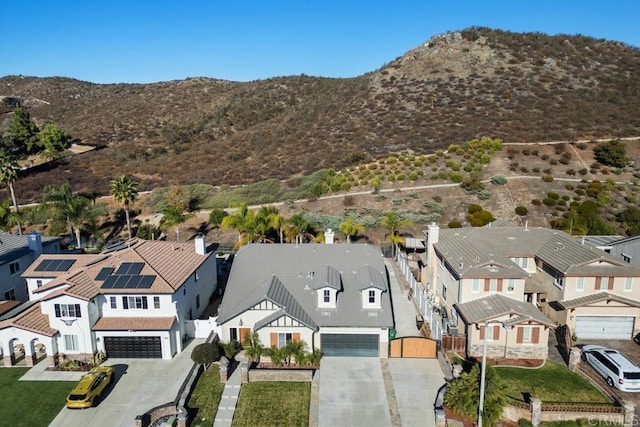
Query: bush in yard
547, 178
521, 210
455, 224
612, 153
205, 354
498, 180
216, 216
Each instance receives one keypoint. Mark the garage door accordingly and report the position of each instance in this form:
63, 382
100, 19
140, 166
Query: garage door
133, 347
604, 327
359, 345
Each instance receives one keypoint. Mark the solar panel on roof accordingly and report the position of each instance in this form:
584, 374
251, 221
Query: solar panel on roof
44, 265
65, 264
104, 273
134, 281
124, 267
135, 268
121, 282
146, 282
110, 282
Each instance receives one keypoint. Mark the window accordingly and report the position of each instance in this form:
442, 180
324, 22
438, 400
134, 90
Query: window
67, 310
326, 296
283, 338
14, 268
626, 258
493, 285
10, 294
184, 290
604, 283
526, 334
38, 283
580, 284
475, 285
444, 291
156, 302
628, 284
132, 303
521, 262
372, 297
511, 285
197, 301
113, 302
71, 342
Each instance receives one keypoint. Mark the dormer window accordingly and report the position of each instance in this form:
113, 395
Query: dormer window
372, 297
326, 296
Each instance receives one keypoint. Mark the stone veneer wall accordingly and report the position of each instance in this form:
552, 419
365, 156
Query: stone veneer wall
297, 375
520, 352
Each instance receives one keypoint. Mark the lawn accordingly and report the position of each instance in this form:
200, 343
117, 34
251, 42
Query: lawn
30, 403
551, 383
204, 399
283, 404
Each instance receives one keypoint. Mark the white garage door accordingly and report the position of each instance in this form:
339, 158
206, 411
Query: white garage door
604, 327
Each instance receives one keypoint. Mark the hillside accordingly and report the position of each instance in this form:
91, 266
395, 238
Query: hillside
454, 87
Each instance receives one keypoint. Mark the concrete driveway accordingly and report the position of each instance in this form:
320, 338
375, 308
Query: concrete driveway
140, 384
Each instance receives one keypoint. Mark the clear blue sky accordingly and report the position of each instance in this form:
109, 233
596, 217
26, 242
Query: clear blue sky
142, 41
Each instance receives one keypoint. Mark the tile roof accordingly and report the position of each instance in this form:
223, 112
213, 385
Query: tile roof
263, 271
8, 305
79, 261
600, 296
171, 263
134, 323
30, 319
496, 305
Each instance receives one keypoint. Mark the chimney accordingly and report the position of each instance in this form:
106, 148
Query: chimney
433, 234
328, 236
35, 243
201, 245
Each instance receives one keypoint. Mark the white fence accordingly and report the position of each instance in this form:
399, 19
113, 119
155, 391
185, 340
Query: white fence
423, 299
201, 328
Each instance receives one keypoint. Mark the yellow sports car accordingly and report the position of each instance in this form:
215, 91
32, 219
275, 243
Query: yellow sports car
89, 388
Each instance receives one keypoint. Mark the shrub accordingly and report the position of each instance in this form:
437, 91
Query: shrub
205, 354
612, 153
498, 180
547, 178
536, 202
549, 201
216, 216
553, 195
521, 210
455, 224
473, 209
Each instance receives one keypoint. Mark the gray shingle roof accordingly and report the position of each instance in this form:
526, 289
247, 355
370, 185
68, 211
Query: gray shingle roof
14, 246
600, 296
326, 277
255, 266
482, 309
371, 278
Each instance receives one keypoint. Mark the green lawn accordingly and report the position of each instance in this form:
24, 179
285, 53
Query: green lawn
30, 403
551, 383
205, 398
282, 404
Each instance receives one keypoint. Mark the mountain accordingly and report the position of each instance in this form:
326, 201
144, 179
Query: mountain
520, 87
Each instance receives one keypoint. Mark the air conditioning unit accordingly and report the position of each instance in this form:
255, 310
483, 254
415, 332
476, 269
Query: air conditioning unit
450, 327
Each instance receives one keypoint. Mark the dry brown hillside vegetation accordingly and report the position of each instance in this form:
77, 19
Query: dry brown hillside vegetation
452, 88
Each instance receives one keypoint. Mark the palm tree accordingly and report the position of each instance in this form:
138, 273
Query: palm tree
393, 222
297, 226
243, 221
252, 346
8, 175
263, 223
8, 218
68, 207
351, 228
125, 192
297, 350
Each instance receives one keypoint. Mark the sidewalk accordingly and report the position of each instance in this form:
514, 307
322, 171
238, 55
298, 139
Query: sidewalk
404, 311
39, 373
229, 400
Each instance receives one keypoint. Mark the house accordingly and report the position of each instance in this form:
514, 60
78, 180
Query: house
17, 252
505, 266
334, 297
133, 301
622, 248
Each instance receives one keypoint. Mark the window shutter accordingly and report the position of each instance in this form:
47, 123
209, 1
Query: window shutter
496, 333
535, 336
499, 285
57, 308
597, 284
144, 303
296, 337
519, 335
487, 284
610, 283
125, 303
77, 310
274, 340
482, 331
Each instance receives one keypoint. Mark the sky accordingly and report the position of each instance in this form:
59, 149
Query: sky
145, 41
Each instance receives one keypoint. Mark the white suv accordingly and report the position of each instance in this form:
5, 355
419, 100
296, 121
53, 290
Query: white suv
614, 366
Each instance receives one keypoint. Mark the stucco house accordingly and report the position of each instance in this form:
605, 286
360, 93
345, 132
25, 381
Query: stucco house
565, 280
132, 301
17, 252
335, 297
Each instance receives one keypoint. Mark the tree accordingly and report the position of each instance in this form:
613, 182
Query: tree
252, 346
297, 350
22, 134
205, 354
612, 153
393, 222
242, 220
8, 217
8, 175
216, 216
125, 192
351, 228
53, 140
463, 395
297, 227
73, 209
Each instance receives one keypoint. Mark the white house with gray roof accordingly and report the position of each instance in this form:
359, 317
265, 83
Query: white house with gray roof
334, 297
17, 252
571, 283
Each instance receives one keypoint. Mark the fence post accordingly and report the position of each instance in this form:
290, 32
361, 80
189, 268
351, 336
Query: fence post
574, 358
629, 414
536, 411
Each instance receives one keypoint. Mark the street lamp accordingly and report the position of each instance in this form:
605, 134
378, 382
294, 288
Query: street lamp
483, 368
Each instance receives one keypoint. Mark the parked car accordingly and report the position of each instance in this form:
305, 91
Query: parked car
88, 390
615, 367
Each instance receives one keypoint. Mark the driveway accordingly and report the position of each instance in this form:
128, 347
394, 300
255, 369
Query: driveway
140, 384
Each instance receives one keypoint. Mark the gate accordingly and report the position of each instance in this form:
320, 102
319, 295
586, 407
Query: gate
415, 347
